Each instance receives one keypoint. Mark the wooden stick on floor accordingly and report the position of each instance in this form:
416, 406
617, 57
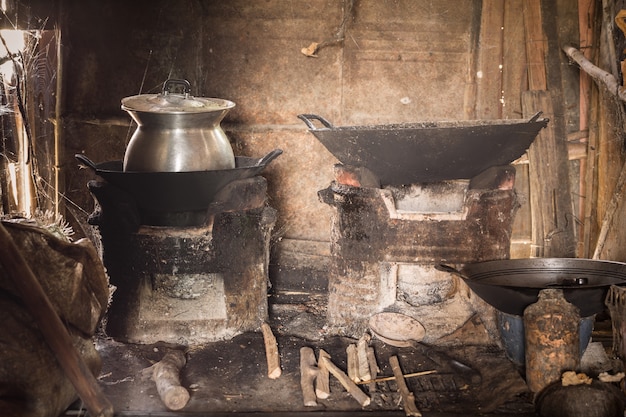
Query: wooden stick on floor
353, 362
322, 382
373, 365
271, 352
308, 374
166, 375
364, 373
408, 399
54, 331
347, 383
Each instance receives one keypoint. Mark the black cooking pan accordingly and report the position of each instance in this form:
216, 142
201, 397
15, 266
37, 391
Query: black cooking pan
427, 152
176, 191
513, 284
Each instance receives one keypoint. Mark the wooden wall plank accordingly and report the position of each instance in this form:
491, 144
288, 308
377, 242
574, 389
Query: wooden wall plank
552, 217
489, 73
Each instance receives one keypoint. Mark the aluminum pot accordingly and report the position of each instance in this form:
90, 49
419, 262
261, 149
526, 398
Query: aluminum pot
177, 132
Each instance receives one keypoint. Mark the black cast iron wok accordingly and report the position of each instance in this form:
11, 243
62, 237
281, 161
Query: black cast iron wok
427, 152
513, 284
176, 191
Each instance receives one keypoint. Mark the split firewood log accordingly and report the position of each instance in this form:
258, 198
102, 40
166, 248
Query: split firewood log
322, 382
353, 362
271, 352
408, 399
347, 383
166, 376
308, 374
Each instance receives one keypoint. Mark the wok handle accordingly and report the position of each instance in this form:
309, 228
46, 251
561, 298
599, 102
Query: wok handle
86, 161
269, 157
450, 269
306, 119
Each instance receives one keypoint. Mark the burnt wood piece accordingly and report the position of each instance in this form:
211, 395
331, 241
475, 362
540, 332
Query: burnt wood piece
494, 178
355, 176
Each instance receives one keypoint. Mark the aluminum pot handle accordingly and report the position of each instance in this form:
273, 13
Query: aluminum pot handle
305, 118
86, 161
171, 82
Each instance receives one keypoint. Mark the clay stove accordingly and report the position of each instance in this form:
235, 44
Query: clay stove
407, 197
387, 241
181, 281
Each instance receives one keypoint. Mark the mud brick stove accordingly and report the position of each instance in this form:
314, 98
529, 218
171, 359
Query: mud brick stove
386, 243
189, 284
408, 197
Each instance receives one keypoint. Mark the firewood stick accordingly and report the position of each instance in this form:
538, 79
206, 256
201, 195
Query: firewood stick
347, 383
364, 372
353, 362
52, 328
271, 352
308, 374
373, 367
322, 382
408, 399
166, 375
391, 378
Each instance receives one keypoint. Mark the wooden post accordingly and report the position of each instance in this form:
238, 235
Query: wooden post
552, 215
50, 325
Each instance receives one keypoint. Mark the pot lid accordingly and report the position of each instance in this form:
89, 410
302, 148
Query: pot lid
168, 102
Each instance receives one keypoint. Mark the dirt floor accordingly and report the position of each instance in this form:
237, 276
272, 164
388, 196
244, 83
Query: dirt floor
230, 377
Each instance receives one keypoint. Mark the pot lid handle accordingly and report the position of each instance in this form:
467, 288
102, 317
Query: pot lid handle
186, 86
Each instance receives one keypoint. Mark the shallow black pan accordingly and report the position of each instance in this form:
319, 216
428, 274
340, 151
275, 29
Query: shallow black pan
176, 191
427, 152
513, 284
